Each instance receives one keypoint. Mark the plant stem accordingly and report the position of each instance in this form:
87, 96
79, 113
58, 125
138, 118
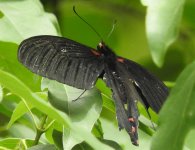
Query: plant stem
40, 130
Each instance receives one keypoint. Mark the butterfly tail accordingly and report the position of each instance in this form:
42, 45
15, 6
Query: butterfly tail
124, 115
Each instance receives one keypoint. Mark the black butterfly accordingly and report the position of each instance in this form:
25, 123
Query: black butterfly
80, 66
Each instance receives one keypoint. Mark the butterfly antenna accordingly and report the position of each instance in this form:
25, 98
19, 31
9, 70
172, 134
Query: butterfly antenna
113, 27
87, 23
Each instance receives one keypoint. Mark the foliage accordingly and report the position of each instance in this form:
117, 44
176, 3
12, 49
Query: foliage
40, 114
181, 119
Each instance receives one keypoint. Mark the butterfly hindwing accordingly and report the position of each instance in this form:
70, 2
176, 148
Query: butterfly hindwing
127, 116
152, 91
61, 59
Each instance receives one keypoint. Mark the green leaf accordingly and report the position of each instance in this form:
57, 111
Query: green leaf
1, 93
83, 112
15, 143
108, 103
9, 63
22, 19
97, 129
82, 146
17, 87
189, 142
111, 143
19, 130
5, 111
19, 111
177, 117
162, 22
85, 146
111, 132
43, 147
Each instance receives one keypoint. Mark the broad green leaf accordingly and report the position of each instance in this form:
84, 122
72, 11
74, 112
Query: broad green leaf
17, 87
21, 109
82, 146
97, 129
5, 111
85, 146
48, 134
43, 147
57, 137
15, 143
22, 19
83, 112
1, 93
111, 143
82, 133
19, 130
162, 22
177, 117
108, 103
54, 134
9, 63
111, 132
189, 142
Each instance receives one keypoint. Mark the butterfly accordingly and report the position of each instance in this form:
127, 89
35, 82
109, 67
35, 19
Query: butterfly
77, 65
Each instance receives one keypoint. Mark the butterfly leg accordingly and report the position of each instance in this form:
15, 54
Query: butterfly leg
74, 100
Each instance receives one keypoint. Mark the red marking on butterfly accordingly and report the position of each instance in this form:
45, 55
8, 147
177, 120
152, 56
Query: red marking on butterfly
95, 52
120, 60
131, 119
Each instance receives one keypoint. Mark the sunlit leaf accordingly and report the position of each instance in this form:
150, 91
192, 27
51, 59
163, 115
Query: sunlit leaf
1, 93
15, 143
83, 112
97, 129
18, 130
177, 117
111, 132
17, 87
162, 22
189, 141
9, 63
43, 147
20, 110
21, 16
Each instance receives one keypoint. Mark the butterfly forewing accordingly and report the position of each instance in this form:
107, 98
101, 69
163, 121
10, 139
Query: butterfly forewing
61, 59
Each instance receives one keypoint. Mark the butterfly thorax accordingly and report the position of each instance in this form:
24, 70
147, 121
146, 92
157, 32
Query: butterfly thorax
107, 52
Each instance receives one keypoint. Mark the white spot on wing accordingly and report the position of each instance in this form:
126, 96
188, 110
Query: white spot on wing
63, 50
136, 83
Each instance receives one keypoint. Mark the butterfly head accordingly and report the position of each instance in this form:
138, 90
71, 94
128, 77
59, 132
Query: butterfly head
102, 47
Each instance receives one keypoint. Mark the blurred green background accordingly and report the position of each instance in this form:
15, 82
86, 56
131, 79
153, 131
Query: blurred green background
129, 40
